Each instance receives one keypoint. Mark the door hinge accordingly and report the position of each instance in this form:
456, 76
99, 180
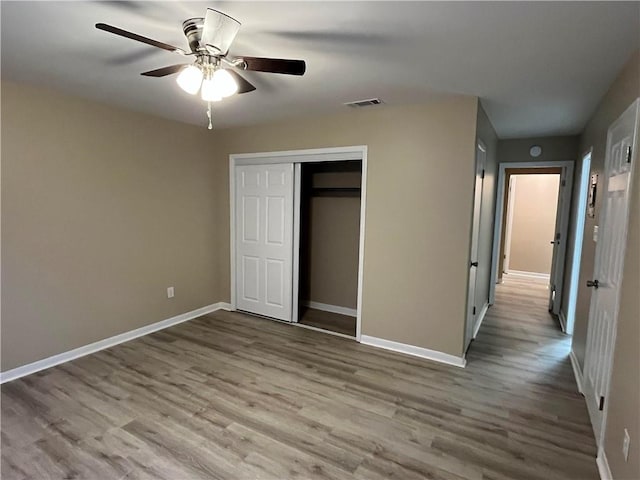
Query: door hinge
474, 312
629, 154
601, 406
563, 182
482, 174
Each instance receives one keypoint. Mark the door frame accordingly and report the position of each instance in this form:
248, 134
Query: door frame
508, 228
473, 319
564, 223
582, 184
333, 154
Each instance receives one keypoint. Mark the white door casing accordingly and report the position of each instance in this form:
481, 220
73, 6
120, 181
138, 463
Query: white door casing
473, 310
264, 239
608, 265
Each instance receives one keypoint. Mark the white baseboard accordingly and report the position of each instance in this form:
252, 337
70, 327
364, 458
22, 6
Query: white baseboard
107, 343
413, 350
576, 370
533, 276
563, 321
351, 312
483, 312
603, 465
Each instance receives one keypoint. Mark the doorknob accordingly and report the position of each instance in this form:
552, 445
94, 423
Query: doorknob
595, 283
553, 242
474, 264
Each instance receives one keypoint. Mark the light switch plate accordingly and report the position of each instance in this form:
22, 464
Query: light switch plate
170, 292
595, 233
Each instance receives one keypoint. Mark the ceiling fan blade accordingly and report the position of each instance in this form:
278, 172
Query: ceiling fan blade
275, 65
244, 86
219, 31
139, 38
164, 71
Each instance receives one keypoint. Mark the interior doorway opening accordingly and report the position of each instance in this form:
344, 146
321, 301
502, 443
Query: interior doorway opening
563, 171
528, 238
329, 245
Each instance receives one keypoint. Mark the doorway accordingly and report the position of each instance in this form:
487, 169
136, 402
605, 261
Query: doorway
329, 242
530, 221
558, 240
271, 275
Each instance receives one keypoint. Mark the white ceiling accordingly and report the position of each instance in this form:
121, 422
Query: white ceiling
539, 67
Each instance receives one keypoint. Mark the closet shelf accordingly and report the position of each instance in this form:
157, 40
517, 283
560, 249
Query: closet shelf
336, 191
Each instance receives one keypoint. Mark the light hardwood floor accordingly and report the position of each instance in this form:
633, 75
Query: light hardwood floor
234, 397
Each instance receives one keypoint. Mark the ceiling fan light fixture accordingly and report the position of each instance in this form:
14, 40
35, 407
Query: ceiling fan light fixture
210, 91
190, 79
225, 84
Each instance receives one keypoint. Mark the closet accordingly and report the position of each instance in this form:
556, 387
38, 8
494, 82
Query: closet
329, 245
296, 236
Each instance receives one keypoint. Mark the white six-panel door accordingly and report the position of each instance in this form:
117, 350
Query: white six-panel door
264, 239
608, 268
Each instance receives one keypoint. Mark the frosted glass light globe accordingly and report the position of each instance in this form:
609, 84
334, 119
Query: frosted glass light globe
190, 79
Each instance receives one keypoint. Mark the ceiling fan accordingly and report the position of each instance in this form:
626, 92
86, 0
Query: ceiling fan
213, 71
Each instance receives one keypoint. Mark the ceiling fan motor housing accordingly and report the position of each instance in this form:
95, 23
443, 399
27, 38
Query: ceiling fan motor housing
192, 29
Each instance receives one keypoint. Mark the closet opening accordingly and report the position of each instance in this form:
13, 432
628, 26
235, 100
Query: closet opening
329, 244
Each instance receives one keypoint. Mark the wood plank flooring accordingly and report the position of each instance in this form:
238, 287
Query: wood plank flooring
228, 396
334, 322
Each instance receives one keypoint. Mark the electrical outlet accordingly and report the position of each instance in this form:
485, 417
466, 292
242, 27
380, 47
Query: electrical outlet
625, 445
170, 292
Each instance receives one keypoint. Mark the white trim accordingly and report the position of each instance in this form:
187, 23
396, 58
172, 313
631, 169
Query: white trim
497, 226
479, 320
301, 156
533, 276
64, 357
297, 196
325, 307
603, 465
358, 152
363, 216
413, 350
562, 318
575, 365
578, 238
323, 330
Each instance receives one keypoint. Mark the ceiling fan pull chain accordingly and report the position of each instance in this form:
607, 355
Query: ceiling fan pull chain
210, 127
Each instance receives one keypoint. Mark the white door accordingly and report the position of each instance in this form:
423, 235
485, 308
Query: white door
264, 239
472, 309
559, 241
607, 275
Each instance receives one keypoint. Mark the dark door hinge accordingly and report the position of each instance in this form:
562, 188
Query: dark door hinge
563, 183
474, 312
629, 154
601, 406
482, 174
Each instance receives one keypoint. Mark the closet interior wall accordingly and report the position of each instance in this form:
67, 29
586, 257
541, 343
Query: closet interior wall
330, 233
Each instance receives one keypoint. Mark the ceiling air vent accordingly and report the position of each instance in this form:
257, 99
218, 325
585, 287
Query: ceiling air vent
364, 103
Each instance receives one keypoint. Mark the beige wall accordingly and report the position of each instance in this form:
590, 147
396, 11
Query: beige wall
418, 221
334, 239
534, 204
487, 135
624, 396
102, 210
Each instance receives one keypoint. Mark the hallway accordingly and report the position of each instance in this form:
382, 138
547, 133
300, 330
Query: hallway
523, 356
